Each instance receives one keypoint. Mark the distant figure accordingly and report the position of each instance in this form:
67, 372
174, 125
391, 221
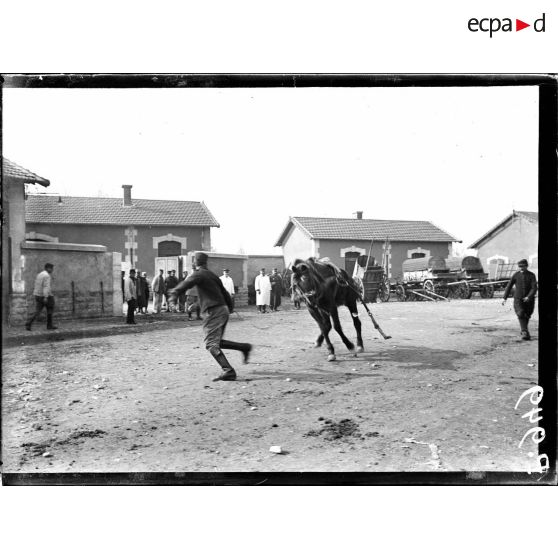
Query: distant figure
192, 303
130, 295
216, 305
182, 296
44, 297
276, 282
145, 293
170, 283
140, 288
122, 279
263, 291
525, 284
295, 296
228, 283
158, 288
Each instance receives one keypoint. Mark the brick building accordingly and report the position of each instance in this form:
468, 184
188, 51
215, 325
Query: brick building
344, 240
150, 234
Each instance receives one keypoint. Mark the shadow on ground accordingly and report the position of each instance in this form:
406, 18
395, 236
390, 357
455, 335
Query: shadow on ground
349, 367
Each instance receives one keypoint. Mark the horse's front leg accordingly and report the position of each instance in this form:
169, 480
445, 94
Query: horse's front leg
323, 321
319, 341
339, 330
358, 325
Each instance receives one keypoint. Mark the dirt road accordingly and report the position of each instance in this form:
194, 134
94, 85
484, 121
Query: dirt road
438, 396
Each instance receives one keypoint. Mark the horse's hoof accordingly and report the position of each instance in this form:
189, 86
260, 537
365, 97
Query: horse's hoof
359, 349
331, 358
317, 345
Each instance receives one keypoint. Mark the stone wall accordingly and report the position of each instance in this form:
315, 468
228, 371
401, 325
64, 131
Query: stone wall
86, 281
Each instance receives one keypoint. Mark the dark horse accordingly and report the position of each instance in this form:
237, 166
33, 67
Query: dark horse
324, 287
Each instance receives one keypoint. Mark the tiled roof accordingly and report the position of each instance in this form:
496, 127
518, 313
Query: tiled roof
326, 228
11, 170
111, 211
531, 216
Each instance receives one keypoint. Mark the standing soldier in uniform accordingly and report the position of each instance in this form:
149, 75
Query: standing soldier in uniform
43, 297
276, 282
216, 305
170, 283
525, 284
158, 288
131, 295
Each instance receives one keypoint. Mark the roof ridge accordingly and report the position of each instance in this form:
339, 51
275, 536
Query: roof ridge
112, 198
352, 219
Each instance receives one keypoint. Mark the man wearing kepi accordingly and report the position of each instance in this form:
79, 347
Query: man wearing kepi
216, 304
525, 284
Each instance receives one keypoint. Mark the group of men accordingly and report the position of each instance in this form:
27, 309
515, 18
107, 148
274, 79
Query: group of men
269, 289
162, 287
215, 299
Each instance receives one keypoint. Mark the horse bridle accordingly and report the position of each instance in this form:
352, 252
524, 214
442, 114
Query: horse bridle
306, 296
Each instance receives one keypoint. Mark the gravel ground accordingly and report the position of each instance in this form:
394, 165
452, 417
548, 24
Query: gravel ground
438, 396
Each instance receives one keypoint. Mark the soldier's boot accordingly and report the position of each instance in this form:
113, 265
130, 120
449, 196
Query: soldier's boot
228, 374
244, 348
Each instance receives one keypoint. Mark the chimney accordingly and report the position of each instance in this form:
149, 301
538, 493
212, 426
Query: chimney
359, 214
127, 194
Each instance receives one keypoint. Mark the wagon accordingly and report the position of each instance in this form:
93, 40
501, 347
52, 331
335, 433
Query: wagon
469, 277
425, 279
372, 282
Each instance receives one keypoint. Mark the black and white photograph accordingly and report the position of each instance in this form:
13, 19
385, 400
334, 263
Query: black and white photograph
245, 278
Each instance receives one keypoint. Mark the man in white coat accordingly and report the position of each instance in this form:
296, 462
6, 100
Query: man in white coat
263, 291
228, 283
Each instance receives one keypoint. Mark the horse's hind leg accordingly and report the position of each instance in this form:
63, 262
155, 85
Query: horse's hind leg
358, 325
319, 341
339, 330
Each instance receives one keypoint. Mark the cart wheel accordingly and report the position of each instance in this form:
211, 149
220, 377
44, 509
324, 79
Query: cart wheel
400, 293
466, 290
384, 293
487, 291
428, 286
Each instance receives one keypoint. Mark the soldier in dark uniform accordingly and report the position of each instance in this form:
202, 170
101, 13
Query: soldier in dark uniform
525, 284
216, 304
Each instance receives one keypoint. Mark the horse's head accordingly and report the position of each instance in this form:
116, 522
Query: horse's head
302, 277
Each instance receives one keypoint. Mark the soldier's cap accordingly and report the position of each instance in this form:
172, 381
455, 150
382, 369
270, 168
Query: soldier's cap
226, 270
201, 258
522, 262
132, 271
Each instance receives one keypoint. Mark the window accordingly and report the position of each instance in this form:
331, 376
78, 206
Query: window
168, 248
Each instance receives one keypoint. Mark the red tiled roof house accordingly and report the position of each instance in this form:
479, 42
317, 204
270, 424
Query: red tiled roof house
148, 233
344, 240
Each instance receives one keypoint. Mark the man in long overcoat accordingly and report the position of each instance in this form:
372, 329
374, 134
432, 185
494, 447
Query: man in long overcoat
525, 284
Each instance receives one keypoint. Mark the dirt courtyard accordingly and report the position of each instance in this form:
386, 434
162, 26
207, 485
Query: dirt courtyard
438, 396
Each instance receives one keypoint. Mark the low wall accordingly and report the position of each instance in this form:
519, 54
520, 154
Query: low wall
86, 281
